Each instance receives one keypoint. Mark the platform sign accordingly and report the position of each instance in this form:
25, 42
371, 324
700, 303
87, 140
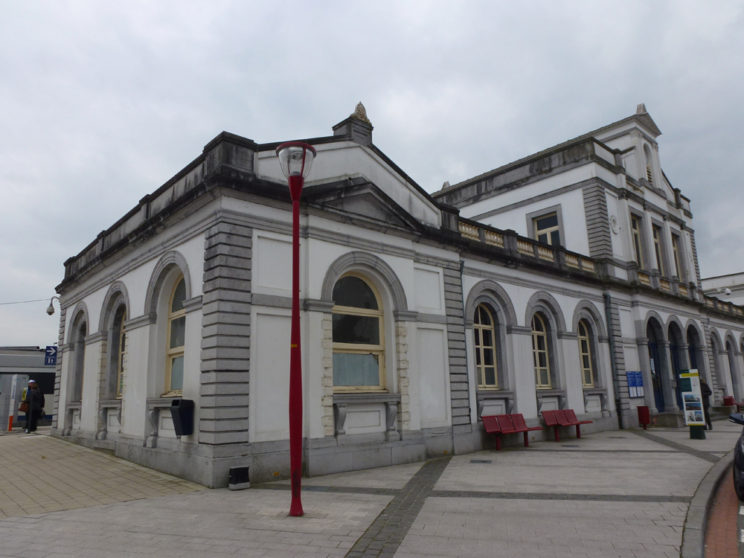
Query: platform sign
692, 398
50, 356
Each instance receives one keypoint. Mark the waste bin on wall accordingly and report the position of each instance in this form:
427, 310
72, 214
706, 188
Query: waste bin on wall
644, 416
182, 411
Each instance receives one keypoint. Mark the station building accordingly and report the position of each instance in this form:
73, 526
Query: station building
542, 284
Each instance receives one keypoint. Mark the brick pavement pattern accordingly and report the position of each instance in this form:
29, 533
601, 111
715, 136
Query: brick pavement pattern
612, 494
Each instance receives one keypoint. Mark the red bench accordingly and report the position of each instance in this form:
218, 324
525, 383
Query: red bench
508, 424
563, 417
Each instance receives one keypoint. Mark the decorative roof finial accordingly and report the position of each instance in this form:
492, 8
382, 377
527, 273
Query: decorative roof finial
361, 113
641, 109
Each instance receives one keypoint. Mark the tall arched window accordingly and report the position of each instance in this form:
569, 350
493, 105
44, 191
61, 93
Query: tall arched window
119, 350
358, 340
541, 352
586, 355
176, 339
78, 372
484, 328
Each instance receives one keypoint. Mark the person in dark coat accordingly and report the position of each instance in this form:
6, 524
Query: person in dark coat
35, 400
706, 393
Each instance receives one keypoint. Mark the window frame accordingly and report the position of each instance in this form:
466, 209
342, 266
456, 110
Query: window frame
548, 231
586, 356
656, 232
677, 255
480, 348
121, 350
378, 349
543, 334
172, 353
636, 232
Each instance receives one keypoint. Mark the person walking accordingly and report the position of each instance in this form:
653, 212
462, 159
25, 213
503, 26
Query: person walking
706, 392
35, 400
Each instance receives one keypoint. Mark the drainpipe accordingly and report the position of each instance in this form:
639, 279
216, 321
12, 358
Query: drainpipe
613, 364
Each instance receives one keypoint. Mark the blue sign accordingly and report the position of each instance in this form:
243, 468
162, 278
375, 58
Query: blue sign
50, 356
635, 383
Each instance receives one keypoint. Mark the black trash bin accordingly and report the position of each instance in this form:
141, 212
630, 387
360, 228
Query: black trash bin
182, 411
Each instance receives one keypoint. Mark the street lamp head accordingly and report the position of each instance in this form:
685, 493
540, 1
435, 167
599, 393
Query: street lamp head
295, 158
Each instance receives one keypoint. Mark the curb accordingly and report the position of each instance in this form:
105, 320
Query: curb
693, 536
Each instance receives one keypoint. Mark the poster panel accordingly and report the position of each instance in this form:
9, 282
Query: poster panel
692, 398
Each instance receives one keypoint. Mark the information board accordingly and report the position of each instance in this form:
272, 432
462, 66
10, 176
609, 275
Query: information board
635, 383
692, 398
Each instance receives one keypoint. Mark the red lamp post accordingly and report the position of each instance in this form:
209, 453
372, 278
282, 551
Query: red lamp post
295, 159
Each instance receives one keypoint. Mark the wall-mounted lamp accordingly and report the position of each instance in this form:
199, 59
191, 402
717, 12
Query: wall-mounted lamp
50, 308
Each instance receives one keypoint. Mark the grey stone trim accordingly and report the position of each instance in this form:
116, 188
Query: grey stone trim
530, 217
424, 318
407, 316
495, 295
226, 335
511, 280
585, 309
695, 258
192, 304
546, 301
95, 337
567, 335
459, 392
368, 262
81, 309
518, 330
140, 321
273, 301
159, 274
316, 305
597, 222
116, 295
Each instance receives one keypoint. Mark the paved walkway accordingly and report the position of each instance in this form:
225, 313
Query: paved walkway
612, 494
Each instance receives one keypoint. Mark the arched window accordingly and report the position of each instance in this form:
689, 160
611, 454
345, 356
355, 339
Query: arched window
119, 350
358, 340
541, 352
176, 339
76, 387
484, 328
586, 355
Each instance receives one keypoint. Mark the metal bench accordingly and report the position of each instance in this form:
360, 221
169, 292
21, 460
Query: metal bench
508, 424
563, 417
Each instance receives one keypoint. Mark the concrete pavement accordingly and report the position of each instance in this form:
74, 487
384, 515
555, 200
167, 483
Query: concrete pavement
611, 494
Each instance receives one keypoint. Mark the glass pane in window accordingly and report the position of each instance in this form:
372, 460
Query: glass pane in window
547, 221
540, 342
352, 291
555, 238
542, 361
350, 369
487, 338
490, 375
179, 296
356, 329
488, 357
542, 238
478, 357
178, 332
176, 373
585, 361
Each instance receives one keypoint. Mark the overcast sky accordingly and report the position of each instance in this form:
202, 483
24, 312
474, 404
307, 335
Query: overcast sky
101, 102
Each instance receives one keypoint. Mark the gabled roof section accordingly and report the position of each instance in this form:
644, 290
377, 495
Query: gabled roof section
361, 201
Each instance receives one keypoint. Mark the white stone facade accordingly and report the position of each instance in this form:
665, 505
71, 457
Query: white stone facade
433, 264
